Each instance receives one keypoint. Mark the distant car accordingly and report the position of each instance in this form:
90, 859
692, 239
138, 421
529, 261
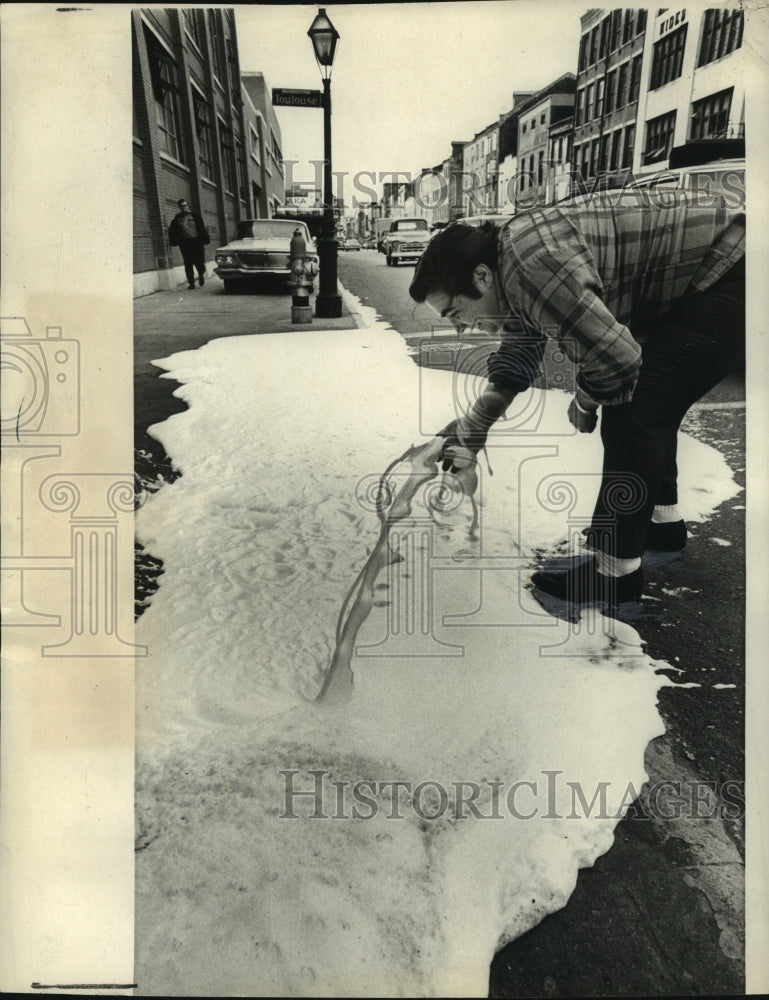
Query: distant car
370, 243
406, 240
349, 244
261, 249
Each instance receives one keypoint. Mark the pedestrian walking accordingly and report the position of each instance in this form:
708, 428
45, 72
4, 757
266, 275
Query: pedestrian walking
648, 301
188, 232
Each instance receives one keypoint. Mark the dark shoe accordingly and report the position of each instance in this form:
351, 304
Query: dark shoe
191, 285
202, 280
583, 584
669, 537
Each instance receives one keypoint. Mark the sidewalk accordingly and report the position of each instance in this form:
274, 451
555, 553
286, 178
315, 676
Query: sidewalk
166, 323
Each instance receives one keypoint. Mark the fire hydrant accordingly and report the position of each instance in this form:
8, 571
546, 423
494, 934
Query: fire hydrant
303, 271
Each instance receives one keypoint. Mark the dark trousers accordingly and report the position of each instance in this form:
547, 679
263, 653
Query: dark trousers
698, 343
194, 256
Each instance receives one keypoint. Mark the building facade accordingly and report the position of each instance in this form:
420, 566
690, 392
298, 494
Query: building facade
508, 154
190, 136
266, 170
480, 170
536, 118
609, 84
693, 88
650, 83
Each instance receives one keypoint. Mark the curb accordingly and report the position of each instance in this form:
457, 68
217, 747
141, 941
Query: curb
352, 304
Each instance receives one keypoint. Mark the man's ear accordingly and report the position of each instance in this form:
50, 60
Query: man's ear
483, 277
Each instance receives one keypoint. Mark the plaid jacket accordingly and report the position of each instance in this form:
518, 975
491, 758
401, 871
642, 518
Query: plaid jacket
590, 274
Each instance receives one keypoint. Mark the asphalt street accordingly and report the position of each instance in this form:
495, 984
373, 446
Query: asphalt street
662, 913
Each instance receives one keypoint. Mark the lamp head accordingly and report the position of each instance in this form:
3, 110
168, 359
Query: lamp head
324, 38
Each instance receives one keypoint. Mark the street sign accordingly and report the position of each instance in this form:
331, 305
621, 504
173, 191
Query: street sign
297, 98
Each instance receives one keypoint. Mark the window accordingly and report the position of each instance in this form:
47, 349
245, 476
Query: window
203, 132
635, 79
583, 44
659, 137
599, 92
594, 157
541, 169
603, 48
579, 110
593, 46
585, 164
603, 155
165, 90
628, 147
194, 27
616, 29
227, 149
640, 25
614, 150
622, 85
523, 129
589, 103
216, 44
255, 150
721, 34
710, 116
232, 74
668, 58
240, 160
627, 28
611, 89
542, 119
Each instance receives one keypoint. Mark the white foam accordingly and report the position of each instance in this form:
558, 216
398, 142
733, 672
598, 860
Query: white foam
460, 676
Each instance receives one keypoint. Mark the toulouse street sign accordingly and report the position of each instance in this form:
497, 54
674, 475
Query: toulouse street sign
297, 98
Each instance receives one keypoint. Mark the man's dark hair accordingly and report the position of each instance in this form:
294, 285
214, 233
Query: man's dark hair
451, 256
181, 201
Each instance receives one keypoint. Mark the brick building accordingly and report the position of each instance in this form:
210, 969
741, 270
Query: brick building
609, 81
193, 136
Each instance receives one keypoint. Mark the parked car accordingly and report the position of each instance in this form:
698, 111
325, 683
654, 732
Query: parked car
370, 243
349, 244
722, 180
478, 220
261, 249
720, 183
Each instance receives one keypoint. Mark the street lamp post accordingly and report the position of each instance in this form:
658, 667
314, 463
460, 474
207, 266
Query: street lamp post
328, 301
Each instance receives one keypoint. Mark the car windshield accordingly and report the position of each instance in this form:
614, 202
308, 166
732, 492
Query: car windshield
416, 224
266, 229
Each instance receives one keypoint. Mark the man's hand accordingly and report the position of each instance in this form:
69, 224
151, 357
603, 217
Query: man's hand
582, 418
462, 445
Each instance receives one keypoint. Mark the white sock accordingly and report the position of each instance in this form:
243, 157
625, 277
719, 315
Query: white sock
666, 514
614, 566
